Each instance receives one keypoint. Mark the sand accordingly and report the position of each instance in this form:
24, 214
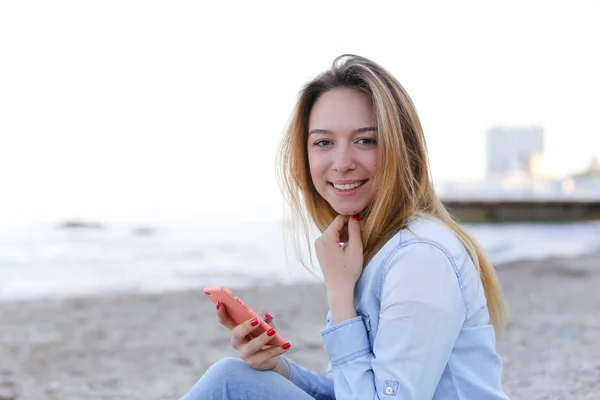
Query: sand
155, 346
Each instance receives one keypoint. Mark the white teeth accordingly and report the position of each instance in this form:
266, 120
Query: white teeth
348, 186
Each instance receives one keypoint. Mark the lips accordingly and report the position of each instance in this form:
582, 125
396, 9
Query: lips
347, 186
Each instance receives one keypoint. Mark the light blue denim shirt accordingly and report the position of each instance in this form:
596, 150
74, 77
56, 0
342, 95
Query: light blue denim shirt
423, 328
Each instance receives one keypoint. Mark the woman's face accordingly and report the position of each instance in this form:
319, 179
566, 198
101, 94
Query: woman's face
342, 149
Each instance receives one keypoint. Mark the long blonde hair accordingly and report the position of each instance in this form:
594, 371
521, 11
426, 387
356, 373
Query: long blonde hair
404, 186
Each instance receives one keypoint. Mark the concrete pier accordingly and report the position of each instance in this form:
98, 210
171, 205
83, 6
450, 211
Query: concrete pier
524, 210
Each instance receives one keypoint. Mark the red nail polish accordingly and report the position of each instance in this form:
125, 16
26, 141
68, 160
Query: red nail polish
218, 306
286, 346
355, 218
267, 316
254, 322
270, 332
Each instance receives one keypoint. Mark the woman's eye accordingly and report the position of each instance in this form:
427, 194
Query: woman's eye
322, 143
367, 141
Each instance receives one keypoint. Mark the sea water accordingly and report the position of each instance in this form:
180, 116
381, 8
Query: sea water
42, 261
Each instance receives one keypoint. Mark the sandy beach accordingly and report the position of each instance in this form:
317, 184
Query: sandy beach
154, 347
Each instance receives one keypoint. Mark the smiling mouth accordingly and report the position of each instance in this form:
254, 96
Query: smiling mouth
347, 187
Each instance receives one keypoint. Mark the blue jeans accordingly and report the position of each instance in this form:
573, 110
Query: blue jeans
234, 379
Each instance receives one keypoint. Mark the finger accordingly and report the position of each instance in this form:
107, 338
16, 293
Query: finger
355, 245
259, 358
257, 344
239, 333
266, 316
334, 229
224, 318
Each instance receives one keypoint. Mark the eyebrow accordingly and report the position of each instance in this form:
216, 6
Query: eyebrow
359, 130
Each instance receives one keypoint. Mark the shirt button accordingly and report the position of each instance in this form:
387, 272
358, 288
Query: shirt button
389, 390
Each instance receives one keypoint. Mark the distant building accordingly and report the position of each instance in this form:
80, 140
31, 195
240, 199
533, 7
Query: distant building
515, 172
515, 150
593, 170
587, 183
594, 167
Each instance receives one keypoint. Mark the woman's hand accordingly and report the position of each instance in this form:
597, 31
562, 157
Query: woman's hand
341, 266
254, 350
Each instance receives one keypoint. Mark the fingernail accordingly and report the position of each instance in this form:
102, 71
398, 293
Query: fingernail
270, 332
287, 346
218, 306
254, 322
267, 316
355, 218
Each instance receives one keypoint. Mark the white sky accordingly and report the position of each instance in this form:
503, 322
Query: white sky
140, 110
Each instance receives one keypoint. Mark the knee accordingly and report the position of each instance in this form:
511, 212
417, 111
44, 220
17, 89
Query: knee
228, 367
223, 376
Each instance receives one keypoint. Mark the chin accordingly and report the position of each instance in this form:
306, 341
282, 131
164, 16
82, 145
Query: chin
347, 210
343, 212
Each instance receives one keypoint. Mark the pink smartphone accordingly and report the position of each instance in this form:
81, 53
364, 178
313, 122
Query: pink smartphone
240, 312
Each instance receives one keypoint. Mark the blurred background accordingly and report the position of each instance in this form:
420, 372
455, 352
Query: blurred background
137, 165
138, 138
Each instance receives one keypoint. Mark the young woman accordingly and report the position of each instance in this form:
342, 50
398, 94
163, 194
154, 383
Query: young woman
414, 304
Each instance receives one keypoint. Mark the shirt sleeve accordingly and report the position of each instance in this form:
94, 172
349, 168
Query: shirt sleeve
422, 312
314, 384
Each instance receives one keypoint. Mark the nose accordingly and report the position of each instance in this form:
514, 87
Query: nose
342, 159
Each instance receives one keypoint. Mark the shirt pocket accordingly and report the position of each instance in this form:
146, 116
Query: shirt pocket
366, 318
